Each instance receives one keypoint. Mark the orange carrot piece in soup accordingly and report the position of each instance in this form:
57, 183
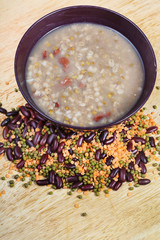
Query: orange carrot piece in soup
44, 54
66, 81
56, 104
101, 116
64, 61
107, 114
56, 52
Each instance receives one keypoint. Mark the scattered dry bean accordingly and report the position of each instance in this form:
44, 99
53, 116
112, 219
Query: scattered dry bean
3, 110
151, 129
144, 181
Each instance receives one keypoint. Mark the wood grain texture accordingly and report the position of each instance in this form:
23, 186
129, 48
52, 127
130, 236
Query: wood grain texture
32, 214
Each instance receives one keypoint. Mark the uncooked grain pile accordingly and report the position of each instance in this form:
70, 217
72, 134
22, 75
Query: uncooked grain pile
94, 161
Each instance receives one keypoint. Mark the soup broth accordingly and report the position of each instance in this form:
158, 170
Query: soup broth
84, 74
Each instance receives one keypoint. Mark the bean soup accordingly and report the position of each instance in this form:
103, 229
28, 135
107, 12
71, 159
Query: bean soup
84, 74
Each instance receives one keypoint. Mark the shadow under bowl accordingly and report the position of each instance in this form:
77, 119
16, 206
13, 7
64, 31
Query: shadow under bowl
90, 14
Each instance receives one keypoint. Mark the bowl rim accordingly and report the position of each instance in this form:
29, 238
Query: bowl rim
89, 128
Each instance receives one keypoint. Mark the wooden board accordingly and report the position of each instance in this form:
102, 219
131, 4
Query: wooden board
32, 214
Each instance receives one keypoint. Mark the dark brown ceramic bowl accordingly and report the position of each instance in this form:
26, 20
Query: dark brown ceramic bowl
89, 14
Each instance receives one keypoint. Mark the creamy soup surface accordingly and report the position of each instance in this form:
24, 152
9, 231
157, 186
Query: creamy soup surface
84, 74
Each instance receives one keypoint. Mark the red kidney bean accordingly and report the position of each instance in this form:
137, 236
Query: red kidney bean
87, 187
9, 154
129, 177
152, 142
16, 140
36, 138
50, 138
109, 141
10, 137
36, 120
49, 151
12, 113
40, 125
89, 138
33, 116
129, 126
25, 111
75, 159
112, 184
139, 139
98, 154
32, 123
77, 184
1, 144
52, 177
20, 164
25, 119
54, 145
129, 146
143, 157
72, 179
134, 151
70, 134
38, 117
70, 166
52, 129
29, 143
44, 139
16, 119
25, 130
80, 141
117, 186
114, 135
44, 158
131, 165
113, 173
60, 147
103, 155
109, 160
144, 181
61, 133
2, 150
17, 152
70, 151
122, 174
5, 132
42, 182
59, 182
151, 129
39, 167
143, 167
5, 122
137, 159
3, 110
60, 157
49, 124
11, 126
125, 139
28, 106
103, 135
20, 122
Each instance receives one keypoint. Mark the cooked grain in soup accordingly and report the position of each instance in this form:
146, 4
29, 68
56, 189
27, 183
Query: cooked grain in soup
84, 74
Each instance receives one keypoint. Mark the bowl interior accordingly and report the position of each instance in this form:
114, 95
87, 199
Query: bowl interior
92, 15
